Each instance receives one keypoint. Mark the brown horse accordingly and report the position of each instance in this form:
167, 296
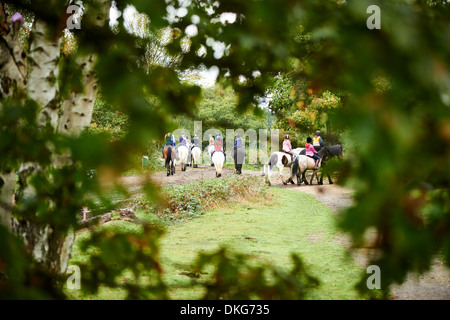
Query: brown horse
170, 154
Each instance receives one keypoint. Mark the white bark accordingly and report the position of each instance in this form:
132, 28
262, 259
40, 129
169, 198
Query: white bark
78, 107
13, 75
13, 72
48, 245
43, 85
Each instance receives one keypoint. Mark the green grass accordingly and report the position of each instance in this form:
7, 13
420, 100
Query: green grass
301, 225
245, 166
293, 222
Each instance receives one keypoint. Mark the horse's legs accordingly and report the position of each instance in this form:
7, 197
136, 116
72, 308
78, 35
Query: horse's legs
281, 177
304, 177
299, 177
268, 174
329, 179
312, 177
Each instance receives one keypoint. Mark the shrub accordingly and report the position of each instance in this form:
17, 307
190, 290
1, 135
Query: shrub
193, 199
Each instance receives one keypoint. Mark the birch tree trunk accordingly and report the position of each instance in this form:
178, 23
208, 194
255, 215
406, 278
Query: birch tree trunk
43, 62
78, 107
13, 75
48, 246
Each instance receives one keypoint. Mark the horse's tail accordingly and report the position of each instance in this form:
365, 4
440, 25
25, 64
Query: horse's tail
168, 157
272, 161
294, 168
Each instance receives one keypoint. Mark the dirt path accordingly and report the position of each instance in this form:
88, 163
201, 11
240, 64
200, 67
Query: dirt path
181, 177
433, 285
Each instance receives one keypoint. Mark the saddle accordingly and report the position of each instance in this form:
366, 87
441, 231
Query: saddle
293, 155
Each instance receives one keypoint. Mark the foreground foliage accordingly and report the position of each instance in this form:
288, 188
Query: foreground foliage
396, 96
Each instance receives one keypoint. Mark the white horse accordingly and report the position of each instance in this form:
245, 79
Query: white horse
210, 151
183, 154
196, 154
218, 158
280, 160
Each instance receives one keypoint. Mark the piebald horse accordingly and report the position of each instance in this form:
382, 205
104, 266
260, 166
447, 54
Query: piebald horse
302, 163
170, 155
280, 160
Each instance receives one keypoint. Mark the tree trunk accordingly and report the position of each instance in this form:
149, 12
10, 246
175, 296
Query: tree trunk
78, 107
13, 75
329, 136
6, 198
43, 62
47, 245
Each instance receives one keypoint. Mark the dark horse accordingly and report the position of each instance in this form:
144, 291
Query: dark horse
238, 156
332, 151
170, 154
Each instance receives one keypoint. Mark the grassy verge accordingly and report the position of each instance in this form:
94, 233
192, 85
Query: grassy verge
267, 228
295, 222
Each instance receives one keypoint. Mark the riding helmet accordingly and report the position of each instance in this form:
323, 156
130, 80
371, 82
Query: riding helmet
317, 133
286, 136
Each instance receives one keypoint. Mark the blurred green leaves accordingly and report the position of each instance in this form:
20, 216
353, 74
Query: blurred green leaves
393, 84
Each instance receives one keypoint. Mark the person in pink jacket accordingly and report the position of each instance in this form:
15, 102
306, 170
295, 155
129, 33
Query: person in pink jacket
311, 152
287, 147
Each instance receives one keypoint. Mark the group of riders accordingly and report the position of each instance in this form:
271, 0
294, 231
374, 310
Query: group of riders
312, 146
216, 141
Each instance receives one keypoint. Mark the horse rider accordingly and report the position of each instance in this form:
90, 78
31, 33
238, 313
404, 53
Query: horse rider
195, 142
318, 141
183, 139
312, 152
238, 142
218, 145
170, 140
211, 139
287, 146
